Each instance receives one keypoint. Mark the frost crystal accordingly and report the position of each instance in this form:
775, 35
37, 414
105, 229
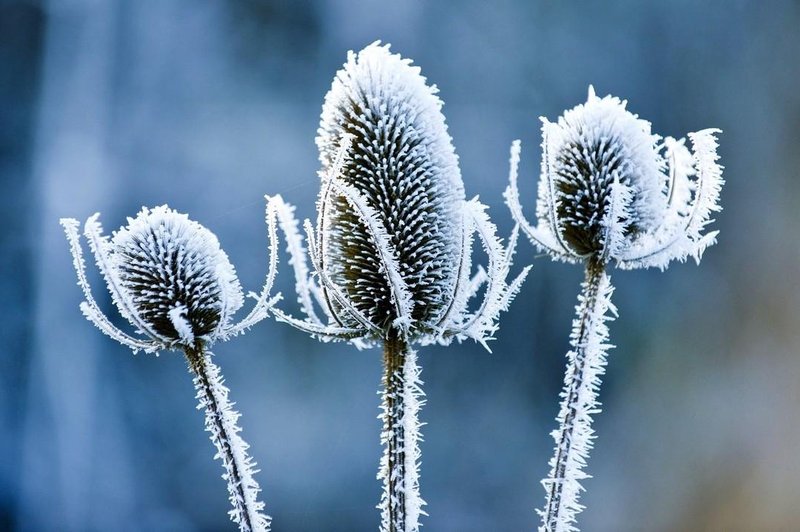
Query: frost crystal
391, 249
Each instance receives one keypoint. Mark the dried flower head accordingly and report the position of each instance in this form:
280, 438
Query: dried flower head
610, 191
168, 277
171, 280
392, 242
613, 191
403, 165
392, 247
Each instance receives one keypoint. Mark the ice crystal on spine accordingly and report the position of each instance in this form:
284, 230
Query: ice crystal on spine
170, 279
391, 248
610, 192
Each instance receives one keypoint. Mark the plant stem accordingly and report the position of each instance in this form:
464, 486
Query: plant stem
401, 504
221, 422
585, 365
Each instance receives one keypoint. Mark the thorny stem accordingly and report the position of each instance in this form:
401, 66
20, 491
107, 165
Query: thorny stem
221, 423
400, 501
575, 379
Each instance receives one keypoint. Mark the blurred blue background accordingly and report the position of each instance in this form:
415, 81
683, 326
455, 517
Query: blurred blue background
111, 105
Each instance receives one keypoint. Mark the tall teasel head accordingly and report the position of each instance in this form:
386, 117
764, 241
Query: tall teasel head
610, 190
402, 163
168, 277
392, 242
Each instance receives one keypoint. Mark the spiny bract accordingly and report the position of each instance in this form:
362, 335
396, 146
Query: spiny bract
403, 164
612, 190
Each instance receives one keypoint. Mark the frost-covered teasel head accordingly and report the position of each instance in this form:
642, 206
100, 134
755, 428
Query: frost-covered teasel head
168, 277
391, 249
392, 243
611, 190
403, 165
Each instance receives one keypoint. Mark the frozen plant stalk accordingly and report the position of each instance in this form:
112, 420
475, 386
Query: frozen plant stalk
610, 192
391, 248
171, 280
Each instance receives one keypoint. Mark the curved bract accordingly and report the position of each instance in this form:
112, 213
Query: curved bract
610, 190
403, 166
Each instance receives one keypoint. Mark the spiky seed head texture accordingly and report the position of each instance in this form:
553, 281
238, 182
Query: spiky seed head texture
175, 275
402, 162
590, 148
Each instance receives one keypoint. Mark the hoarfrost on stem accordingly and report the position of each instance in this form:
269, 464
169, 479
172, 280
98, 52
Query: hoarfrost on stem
610, 192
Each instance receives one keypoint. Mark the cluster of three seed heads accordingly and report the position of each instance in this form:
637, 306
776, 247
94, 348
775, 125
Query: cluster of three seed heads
391, 248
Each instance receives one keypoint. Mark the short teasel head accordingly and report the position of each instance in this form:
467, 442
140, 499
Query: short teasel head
610, 189
175, 274
169, 277
591, 148
401, 163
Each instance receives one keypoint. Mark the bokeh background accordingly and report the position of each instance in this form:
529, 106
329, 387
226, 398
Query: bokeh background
112, 105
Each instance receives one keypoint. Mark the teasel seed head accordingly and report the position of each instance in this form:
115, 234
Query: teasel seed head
402, 163
179, 281
611, 190
169, 277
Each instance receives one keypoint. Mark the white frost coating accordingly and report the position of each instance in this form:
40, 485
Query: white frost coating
178, 318
609, 187
169, 278
413, 398
222, 422
574, 438
405, 413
